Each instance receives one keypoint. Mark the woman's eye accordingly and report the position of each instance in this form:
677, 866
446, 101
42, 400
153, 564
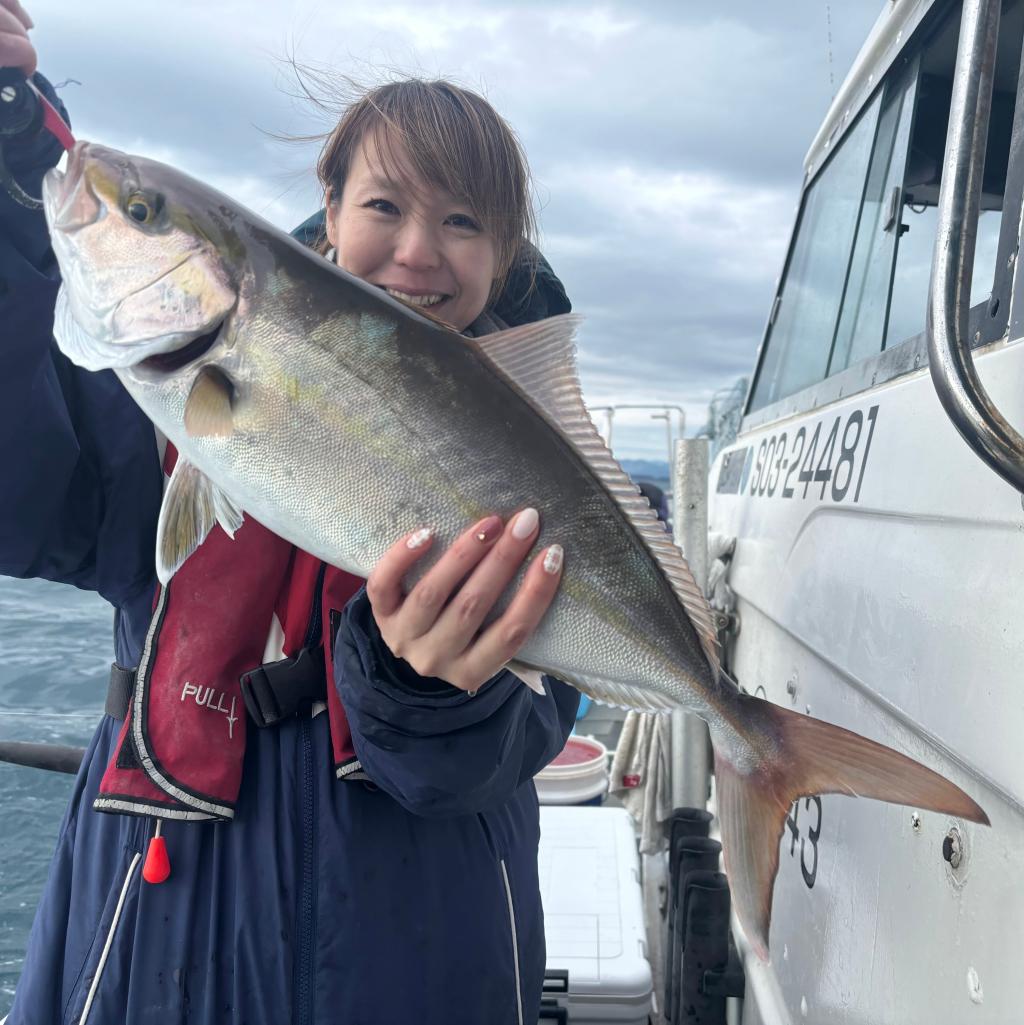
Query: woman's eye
384, 206
463, 221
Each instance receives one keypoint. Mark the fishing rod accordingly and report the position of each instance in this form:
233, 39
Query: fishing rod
24, 111
51, 757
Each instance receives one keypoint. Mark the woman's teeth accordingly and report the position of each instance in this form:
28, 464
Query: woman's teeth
416, 300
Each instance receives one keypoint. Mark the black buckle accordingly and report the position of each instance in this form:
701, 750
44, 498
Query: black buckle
278, 690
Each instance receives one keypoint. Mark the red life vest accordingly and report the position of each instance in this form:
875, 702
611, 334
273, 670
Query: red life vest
180, 751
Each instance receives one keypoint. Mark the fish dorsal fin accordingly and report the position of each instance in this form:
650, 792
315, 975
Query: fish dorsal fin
192, 505
540, 359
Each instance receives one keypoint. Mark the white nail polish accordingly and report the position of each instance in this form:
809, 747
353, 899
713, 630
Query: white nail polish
525, 525
553, 559
420, 538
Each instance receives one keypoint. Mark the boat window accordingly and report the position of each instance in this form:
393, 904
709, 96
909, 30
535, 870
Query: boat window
866, 300
924, 171
800, 339
856, 281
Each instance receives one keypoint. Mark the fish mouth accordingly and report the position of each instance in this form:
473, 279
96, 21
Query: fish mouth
169, 362
68, 199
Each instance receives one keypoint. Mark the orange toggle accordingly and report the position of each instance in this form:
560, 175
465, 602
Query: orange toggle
158, 866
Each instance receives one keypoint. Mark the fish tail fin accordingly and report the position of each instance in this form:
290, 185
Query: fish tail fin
797, 756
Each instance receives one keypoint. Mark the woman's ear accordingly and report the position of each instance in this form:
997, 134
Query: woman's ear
332, 217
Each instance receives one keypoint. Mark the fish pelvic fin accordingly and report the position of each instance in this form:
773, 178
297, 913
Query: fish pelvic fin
192, 505
540, 360
798, 756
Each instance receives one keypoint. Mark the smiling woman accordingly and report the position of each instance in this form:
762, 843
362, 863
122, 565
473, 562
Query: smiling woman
427, 196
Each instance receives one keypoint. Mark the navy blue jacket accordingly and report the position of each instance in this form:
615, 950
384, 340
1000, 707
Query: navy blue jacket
413, 898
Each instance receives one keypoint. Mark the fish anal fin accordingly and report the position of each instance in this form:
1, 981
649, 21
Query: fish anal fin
208, 408
192, 505
540, 360
620, 695
808, 757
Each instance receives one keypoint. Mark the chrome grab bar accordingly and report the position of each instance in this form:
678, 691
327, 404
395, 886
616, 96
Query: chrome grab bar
949, 297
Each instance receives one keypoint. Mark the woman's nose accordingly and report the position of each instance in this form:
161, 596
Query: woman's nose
417, 246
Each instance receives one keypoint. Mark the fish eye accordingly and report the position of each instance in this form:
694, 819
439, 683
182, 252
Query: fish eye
142, 208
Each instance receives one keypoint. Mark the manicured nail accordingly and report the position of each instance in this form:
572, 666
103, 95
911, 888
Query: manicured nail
553, 559
487, 530
525, 524
420, 538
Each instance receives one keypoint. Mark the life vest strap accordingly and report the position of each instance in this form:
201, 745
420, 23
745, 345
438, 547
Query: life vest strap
278, 690
272, 692
119, 691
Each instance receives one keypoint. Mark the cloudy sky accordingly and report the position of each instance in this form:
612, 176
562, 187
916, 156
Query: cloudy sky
666, 139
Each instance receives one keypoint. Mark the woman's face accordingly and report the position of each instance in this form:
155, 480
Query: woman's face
419, 244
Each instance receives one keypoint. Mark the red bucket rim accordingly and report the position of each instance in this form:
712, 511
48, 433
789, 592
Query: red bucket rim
572, 747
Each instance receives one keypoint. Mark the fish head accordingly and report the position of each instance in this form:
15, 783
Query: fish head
145, 258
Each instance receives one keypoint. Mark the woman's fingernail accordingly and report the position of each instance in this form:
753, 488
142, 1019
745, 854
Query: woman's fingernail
488, 529
420, 538
553, 559
525, 524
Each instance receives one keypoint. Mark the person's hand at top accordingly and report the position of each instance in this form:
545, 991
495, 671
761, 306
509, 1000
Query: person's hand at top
16, 50
436, 627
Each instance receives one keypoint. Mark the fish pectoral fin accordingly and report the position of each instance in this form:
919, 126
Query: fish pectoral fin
192, 505
533, 678
208, 408
808, 757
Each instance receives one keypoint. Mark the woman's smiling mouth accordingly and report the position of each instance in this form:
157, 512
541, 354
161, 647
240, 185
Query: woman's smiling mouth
424, 299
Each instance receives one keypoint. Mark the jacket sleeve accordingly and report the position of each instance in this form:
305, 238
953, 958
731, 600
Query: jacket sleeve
432, 747
82, 481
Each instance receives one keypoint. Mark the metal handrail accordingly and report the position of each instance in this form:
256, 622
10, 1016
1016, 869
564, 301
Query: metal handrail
953, 372
665, 408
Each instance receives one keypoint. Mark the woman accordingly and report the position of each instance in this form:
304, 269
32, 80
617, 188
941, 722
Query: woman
380, 865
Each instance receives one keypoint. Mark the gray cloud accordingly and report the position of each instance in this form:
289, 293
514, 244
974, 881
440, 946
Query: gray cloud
666, 139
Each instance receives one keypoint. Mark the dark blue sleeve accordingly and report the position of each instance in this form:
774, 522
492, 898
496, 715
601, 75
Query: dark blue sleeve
81, 476
433, 748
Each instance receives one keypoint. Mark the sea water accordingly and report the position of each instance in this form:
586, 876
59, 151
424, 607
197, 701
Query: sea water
56, 647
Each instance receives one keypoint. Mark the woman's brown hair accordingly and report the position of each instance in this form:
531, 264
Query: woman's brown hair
455, 140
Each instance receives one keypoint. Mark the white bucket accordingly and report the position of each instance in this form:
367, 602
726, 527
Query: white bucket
578, 775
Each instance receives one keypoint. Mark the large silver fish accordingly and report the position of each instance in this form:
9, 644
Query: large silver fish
340, 419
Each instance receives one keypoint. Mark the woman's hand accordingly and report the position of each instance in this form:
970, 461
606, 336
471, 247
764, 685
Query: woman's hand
15, 49
435, 627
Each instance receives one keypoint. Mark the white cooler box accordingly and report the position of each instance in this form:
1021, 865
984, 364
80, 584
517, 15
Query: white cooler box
593, 917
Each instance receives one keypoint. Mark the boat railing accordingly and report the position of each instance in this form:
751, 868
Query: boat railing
951, 360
